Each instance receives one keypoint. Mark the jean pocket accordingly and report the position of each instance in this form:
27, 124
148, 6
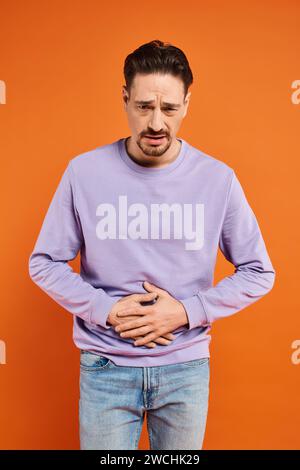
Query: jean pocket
93, 362
196, 362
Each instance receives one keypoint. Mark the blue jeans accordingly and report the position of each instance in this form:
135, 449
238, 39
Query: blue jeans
114, 399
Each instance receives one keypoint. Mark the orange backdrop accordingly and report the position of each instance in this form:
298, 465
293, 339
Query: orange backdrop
62, 66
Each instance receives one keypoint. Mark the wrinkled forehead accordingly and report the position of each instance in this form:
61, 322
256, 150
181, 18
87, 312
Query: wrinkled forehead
157, 88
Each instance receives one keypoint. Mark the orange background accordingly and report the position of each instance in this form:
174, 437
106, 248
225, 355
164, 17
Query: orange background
62, 63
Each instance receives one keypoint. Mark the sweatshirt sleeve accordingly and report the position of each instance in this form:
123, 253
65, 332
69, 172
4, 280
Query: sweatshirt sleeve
242, 244
59, 241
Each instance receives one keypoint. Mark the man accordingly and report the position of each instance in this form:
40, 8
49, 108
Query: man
148, 214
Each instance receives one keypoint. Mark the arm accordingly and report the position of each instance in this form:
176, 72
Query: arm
59, 241
242, 244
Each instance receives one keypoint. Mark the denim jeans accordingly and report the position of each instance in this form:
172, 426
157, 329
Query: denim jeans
113, 401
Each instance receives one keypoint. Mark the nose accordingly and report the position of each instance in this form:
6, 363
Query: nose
156, 122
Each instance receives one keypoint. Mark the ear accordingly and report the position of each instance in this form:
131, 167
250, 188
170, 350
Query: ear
125, 95
187, 102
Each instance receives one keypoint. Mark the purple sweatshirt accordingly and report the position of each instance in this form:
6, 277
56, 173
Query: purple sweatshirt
131, 224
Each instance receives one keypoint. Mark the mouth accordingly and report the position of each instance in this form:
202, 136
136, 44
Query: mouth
158, 139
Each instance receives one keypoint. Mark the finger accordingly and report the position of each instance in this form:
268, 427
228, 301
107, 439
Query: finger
162, 341
149, 345
146, 339
153, 287
149, 302
145, 296
136, 331
169, 336
127, 325
142, 310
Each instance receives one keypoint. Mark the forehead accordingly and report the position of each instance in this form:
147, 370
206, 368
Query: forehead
157, 85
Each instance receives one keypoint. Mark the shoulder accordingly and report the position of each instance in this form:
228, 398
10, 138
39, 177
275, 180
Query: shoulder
89, 160
210, 164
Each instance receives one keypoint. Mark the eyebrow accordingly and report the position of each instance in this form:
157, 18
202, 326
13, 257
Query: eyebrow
152, 101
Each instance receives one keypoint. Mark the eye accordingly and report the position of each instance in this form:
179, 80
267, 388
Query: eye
144, 106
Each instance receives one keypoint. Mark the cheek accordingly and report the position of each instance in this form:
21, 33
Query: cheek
178, 120
137, 123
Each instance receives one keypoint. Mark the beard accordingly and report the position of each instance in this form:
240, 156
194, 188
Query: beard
153, 150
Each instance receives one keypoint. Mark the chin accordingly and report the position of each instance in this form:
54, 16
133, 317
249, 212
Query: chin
154, 150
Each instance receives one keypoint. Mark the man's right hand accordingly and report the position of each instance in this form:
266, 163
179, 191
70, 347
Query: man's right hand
135, 300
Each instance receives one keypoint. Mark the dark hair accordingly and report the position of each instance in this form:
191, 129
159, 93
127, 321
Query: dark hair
158, 57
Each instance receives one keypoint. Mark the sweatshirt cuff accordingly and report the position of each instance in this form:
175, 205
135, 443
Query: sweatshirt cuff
100, 308
195, 311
